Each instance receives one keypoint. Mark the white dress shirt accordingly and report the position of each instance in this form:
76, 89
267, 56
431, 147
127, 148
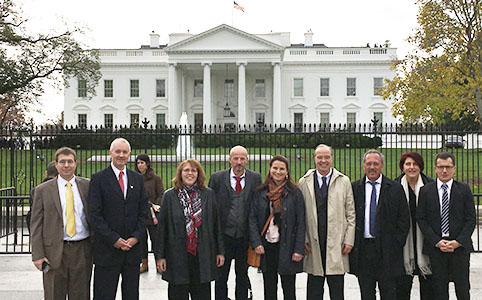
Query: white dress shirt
320, 178
368, 196
124, 176
81, 227
233, 180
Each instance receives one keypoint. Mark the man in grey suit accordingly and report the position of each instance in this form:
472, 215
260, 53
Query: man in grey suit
60, 232
234, 188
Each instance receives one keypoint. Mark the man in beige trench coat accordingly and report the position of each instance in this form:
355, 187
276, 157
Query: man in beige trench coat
330, 225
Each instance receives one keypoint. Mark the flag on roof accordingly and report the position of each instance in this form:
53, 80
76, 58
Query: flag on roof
237, 6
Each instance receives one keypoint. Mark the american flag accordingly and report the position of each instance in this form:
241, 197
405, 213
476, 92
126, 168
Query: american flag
237, 6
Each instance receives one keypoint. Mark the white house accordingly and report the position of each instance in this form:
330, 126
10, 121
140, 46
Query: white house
226, 76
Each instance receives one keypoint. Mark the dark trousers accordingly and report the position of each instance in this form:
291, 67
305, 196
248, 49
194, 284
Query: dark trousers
404, 287
315, 287
372, 272
270, 276
450, 267
107, 278
234, 249
143, 242
195, 289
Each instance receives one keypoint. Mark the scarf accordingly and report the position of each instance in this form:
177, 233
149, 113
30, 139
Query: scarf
275, 196
408, 251
190, 200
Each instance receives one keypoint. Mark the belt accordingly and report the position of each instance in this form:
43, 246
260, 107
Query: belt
74, 242
369, 240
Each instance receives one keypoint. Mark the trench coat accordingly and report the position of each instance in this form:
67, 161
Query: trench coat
171, 239
154, 189
291, 229
341, 224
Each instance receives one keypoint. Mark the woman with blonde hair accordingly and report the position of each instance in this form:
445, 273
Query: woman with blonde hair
190, 247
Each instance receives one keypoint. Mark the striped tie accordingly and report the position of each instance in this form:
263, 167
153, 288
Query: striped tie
445, 211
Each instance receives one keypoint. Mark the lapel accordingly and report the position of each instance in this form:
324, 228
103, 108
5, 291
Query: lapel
114, 181
130, 182
227, 181
54, 192
454, 193
83, 196
310, 181
381, 198
362, 187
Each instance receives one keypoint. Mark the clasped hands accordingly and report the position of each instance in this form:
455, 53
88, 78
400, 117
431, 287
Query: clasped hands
447, 246
296, 257
125, 245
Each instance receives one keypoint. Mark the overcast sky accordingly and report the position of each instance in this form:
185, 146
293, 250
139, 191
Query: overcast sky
127, 24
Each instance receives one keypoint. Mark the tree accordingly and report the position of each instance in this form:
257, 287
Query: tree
28, 60
443, 76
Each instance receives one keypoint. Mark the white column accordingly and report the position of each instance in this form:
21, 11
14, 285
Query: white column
241, 93
276, 93
207, 94
173, 97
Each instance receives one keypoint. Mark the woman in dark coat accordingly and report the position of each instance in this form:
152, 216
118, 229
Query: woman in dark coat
155, 190
190, 247
282, 245
415, 262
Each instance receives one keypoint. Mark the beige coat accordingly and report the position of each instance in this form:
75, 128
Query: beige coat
341, 224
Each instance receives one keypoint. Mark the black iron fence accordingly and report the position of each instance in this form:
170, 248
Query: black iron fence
26, 152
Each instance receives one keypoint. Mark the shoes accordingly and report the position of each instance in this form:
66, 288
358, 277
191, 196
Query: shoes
144, 266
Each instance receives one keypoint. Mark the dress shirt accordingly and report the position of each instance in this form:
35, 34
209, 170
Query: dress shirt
233, 180
320, 178
368, 195
124, 176
81, 227
440, 193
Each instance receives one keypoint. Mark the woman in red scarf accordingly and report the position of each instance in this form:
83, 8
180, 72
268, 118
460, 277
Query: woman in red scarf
279, 204
190, 247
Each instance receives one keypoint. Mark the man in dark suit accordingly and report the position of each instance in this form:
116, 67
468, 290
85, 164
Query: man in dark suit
117, 210
60, 232
382, 224
446, 217
234, 188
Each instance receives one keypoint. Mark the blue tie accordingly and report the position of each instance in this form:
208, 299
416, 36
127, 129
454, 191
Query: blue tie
373, 208
324, 187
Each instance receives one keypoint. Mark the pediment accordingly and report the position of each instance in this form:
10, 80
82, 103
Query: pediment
81, 107
260, 106
325, 106
351, 106
134, 107
160, 107
298, 106
108, 107
378, 106
224, 38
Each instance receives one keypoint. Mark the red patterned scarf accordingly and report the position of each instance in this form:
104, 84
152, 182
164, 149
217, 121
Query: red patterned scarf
191, 203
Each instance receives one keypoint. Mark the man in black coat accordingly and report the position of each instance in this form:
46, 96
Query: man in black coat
234, 188
382, 224
117, 210
446, 216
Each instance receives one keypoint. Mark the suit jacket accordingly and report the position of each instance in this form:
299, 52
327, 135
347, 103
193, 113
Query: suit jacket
221, 184
461, 216
391, 226
341, 220
47, 225
112, 216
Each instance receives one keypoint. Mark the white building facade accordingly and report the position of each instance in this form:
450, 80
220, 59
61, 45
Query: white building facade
228, 77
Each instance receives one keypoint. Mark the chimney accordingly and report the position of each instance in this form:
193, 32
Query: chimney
309, 39
154, 40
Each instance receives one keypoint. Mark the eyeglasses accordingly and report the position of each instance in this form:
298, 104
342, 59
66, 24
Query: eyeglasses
66, 162
448, 168
189, 170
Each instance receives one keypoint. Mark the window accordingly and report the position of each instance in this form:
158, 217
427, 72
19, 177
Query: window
259, 120
160, 88
108, 88
324, 120
82, 88
134, 120
298, 87
198, 123
198, 88
259, 88
134, 88
108, 120
298, 122
160, 120
351, 119
351, 86
229, 88
379, 117
82, 120
324, 87
377, 85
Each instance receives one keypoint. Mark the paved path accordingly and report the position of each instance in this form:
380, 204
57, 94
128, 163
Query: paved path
19, 280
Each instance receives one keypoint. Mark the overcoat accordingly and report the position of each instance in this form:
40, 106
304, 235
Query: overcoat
172, 238
154, 189
341, 224
391, 229
291, 229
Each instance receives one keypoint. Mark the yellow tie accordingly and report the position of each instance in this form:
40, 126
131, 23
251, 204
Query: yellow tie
69, 211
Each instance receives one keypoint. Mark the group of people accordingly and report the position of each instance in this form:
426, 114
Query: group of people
381, 230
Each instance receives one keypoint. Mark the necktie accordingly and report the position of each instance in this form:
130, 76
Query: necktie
121, 182
445, 211
238, 187
69, 210
373, 207
324, 188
